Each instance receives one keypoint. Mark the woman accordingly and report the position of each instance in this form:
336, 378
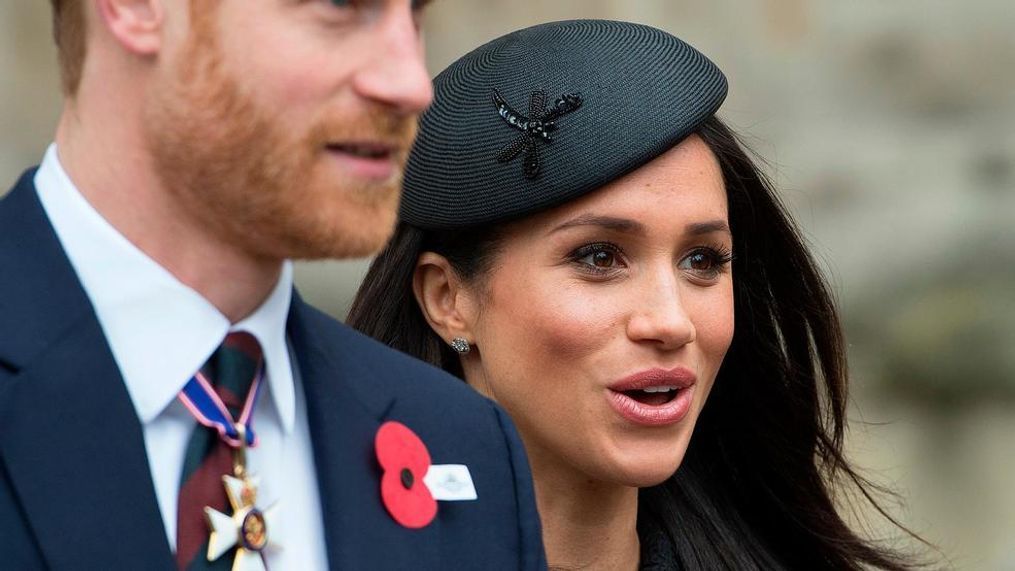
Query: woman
578, 231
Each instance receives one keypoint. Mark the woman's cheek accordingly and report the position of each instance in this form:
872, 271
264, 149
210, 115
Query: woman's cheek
713, 318
572, 322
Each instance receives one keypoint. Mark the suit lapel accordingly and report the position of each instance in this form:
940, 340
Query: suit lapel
71, 441
343, 422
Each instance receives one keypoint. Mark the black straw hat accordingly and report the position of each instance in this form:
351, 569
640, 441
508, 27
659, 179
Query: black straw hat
546, 114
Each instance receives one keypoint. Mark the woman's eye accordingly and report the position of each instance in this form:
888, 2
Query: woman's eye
700, 261
707, 262
602, 259
598, 258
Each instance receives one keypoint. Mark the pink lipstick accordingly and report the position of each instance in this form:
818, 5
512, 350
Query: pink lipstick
654, 397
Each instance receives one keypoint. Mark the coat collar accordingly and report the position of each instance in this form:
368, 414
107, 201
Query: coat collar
72, 443
41, 295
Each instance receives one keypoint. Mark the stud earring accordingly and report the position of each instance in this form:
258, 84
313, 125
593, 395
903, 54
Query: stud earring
461, 345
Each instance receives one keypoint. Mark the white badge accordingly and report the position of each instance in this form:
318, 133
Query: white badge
450, 483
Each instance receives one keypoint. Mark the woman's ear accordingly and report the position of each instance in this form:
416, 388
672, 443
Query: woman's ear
446, 304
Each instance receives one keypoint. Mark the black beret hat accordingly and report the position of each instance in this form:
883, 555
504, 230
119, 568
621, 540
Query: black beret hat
549, 113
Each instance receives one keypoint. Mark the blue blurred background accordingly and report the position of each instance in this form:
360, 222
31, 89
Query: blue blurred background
890, 130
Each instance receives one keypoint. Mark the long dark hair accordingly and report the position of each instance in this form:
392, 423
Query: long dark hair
758, 485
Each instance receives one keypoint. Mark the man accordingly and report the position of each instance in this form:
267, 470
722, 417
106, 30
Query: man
148, 325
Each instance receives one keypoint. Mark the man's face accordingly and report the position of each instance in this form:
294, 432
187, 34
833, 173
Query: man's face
282, 126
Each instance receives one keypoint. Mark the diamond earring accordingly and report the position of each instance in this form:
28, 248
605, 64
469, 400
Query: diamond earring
461, 345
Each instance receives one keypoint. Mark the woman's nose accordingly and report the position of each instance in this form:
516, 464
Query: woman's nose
658, 315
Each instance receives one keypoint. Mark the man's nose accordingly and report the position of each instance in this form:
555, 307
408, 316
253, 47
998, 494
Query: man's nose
396, 74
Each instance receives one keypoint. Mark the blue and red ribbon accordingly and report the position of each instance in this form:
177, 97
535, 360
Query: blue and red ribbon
203, 402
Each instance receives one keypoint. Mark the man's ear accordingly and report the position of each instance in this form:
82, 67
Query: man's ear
447, 306
135, 24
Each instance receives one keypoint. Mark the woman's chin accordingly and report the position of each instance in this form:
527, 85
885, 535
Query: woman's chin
649, 479
640, 463
645, 472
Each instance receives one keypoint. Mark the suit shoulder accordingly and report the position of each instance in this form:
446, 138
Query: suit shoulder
390, 369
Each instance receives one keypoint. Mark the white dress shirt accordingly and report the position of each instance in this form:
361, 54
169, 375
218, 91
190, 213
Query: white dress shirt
161, 332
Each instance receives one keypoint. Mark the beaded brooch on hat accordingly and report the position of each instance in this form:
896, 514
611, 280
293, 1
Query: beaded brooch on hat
537, 126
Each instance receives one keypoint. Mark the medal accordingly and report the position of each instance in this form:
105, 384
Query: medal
248, 528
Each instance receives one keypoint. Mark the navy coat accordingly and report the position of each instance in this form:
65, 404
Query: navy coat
75, 487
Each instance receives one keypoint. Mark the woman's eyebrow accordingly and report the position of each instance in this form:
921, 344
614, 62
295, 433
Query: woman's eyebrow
628, 226
625, 225
710, 227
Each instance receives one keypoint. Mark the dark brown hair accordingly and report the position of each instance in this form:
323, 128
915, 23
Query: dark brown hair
757, 487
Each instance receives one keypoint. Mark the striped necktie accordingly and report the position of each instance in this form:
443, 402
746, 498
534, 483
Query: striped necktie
231, 370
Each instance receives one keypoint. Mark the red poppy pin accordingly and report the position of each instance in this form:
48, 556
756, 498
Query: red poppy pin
404, 461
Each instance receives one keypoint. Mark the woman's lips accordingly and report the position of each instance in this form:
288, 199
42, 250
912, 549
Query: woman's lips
648, 408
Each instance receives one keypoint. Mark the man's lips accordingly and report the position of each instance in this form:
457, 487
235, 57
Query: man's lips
369, 160
654, 397
365, 149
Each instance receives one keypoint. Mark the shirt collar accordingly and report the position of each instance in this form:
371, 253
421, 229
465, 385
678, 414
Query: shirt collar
267, 324
159, 330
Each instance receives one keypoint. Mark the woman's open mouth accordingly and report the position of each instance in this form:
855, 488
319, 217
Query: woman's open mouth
654, 397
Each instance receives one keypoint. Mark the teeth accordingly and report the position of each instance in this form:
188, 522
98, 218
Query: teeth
658, 389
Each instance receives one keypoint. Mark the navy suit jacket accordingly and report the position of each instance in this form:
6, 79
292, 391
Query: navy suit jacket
75, 487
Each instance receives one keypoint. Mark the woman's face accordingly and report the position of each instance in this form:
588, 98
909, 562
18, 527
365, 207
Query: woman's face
602, 323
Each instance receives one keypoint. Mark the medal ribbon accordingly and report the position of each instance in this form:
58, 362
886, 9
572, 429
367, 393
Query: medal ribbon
203, 402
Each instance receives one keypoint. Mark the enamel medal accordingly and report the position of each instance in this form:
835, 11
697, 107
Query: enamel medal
249, 528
